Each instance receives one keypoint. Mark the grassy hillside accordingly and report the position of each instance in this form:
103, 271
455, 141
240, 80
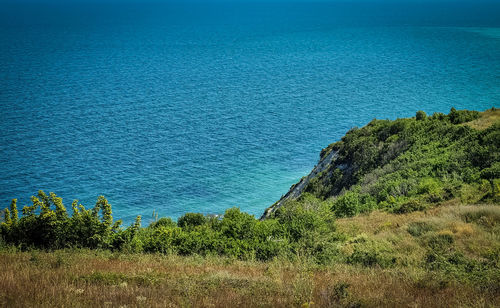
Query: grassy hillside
409, 164
402, 213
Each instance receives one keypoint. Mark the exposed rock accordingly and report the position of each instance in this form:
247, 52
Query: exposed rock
297, 189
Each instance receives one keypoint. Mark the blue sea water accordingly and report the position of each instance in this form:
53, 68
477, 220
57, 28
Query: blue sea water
182, 107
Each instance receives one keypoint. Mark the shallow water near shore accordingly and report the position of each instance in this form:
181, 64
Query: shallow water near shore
200, 107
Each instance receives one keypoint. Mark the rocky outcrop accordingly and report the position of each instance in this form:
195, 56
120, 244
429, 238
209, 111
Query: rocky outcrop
297, 189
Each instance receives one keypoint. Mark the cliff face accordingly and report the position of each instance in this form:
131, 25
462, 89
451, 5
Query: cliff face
297, 189
407, 164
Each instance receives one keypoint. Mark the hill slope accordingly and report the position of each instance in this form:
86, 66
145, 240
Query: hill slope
407, 164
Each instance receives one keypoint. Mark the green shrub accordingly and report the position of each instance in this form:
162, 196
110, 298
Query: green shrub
161, 239
492, 172
409, 206
428, 186
495, 190
238, 225
272, 241
191, 220
46, 224
420, 115
299, 221
462, 116
163, 222
474, 193
347, 205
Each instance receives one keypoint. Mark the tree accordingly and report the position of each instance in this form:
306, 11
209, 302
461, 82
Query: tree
421, 115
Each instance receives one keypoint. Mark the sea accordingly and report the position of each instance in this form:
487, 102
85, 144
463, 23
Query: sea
173, 107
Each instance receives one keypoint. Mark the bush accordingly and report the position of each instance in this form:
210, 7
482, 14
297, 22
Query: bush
298, 221
238, 225
462, 116
191, 220
347, 205
46, 224
163, 222
202, 241
420, 115
491, 173
271, 238
161, 239
473, 193
409, 206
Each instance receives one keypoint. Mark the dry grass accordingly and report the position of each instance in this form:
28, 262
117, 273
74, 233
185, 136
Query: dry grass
72, 278
475, 229
86, 279
488, 118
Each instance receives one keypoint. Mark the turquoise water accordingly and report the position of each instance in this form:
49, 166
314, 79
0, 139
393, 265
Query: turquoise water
204, 106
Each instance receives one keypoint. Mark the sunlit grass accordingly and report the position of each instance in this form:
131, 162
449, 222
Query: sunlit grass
488, 118
100, 279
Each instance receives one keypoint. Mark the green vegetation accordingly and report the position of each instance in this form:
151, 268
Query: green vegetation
408, 208
412, 164
46, 225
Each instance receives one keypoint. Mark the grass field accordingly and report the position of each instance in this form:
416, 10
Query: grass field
73, 278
